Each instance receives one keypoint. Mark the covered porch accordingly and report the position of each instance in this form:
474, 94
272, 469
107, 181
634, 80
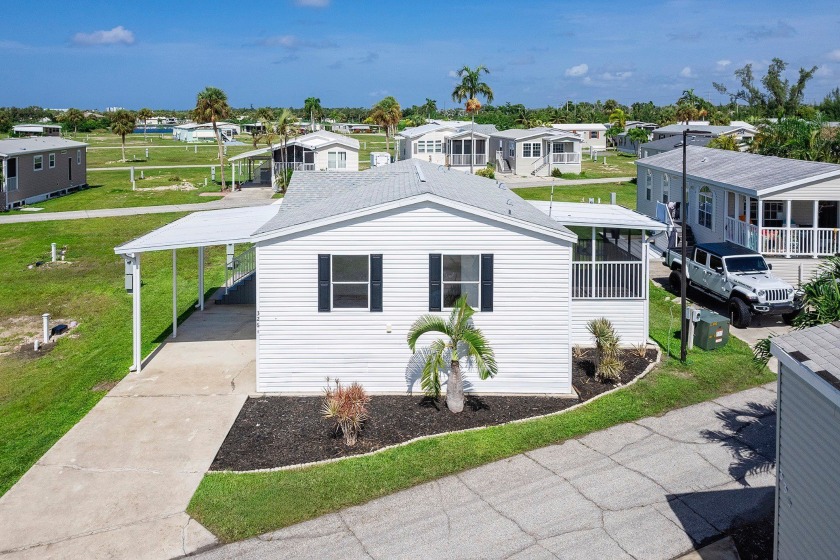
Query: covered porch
559, 152
783, 227
460, 150
229, 227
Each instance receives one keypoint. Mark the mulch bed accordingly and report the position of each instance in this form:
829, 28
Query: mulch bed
754, 541
279, 431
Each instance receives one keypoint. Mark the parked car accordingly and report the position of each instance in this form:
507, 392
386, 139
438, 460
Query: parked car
737, 276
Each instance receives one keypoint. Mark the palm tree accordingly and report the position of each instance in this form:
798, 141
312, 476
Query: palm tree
618, 118
470, 87
429, 107
462, 340
122, 123
613, 132
639, 136
145, 114
312, 107
285, 128
211, 106
73, 117
725, 142
266, 116
387, 114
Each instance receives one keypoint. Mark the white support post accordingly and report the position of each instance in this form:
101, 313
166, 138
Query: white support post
748, 212
815, 249
136, 313
201, 278
233, 175
788, 208
592, 274
760, 221
174, 293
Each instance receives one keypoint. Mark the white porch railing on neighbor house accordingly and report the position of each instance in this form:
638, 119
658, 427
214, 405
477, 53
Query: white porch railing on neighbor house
565, 157
295, 165
464, 159
742, 233
242, 265
609, 279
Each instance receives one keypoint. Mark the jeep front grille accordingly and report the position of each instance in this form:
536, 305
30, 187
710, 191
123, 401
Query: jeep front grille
776, 296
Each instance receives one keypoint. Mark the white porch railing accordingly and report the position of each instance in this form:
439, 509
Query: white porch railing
609, 279
565, 157
242, 265
11, 183
464, 159
797, 242
295, 165
742, 233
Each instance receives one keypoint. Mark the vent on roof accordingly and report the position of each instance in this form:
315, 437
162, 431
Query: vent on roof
420, 173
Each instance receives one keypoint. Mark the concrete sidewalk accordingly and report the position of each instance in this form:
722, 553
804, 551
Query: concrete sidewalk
652, 489
252, 196
118, 483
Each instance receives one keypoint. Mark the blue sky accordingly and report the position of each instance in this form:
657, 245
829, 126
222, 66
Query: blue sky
155, 53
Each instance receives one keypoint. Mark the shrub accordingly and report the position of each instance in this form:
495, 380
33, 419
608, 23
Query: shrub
347, 407
556, 173
486, 172
578, 351
641, 349
608, 364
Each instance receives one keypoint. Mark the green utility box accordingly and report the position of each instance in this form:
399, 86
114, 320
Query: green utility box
711, 331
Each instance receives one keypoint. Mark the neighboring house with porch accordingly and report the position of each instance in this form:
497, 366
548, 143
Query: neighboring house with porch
625, 144
38, 168
786, 209
447, 143
40, 129
203, 132
342, 268
535, 151
593, 135
317, 151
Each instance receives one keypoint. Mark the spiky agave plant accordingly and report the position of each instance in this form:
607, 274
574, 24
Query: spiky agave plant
462, 340
608, 364
347, 407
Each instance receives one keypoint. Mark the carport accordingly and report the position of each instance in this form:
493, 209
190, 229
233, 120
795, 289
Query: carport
198, 230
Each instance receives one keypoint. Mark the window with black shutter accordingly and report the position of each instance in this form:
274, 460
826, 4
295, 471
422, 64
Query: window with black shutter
453, 276
487, 282
376, 282
434, 282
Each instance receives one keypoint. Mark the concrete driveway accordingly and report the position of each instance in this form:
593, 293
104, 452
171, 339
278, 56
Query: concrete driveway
118, 483
651, 489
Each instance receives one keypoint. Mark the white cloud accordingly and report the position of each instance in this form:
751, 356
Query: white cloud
452, 74
576, 71
686, 72
615, 76
723, 63
313, 3
292, 42
824, 71
834, 55
116, 36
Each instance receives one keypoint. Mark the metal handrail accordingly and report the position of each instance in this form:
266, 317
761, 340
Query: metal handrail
243, 264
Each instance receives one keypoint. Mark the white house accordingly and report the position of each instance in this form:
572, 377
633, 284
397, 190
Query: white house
447, 143
788, 210
203, 132
535, 151
348, 262
743, 134
593, 135
317, 151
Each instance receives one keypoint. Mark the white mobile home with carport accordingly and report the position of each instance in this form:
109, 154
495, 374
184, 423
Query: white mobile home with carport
349, 261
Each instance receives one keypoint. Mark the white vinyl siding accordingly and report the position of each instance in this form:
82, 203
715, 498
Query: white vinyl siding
629, 317
322, 158
298, 347
336, 160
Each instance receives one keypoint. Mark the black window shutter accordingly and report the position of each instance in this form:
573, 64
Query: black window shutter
434, 282
487, 282
376, 282
324, 283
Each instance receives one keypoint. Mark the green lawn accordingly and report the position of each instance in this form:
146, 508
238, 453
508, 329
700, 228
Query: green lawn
237, 506
42, 397
112, 189
618, 165
183, 154
371, 143
625, 193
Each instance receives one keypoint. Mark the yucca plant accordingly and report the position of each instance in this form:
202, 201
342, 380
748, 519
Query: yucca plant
462, 340
347, 407
608, 364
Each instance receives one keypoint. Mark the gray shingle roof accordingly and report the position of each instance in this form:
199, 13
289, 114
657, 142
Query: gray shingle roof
36, 144
710, 128
667, 144
516, 133
486, 129
820, 346
747, 171
314, 195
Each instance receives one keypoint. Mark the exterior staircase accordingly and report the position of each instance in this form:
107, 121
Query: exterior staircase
539, 164
502, 165
244, 291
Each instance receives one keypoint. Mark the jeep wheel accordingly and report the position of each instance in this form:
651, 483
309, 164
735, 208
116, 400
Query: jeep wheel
789, 317
675, 281
739, 313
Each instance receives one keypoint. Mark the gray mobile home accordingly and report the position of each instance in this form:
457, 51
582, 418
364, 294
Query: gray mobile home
38, 168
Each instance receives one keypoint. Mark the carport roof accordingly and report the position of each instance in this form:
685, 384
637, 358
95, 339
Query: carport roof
598, 215
203, 229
